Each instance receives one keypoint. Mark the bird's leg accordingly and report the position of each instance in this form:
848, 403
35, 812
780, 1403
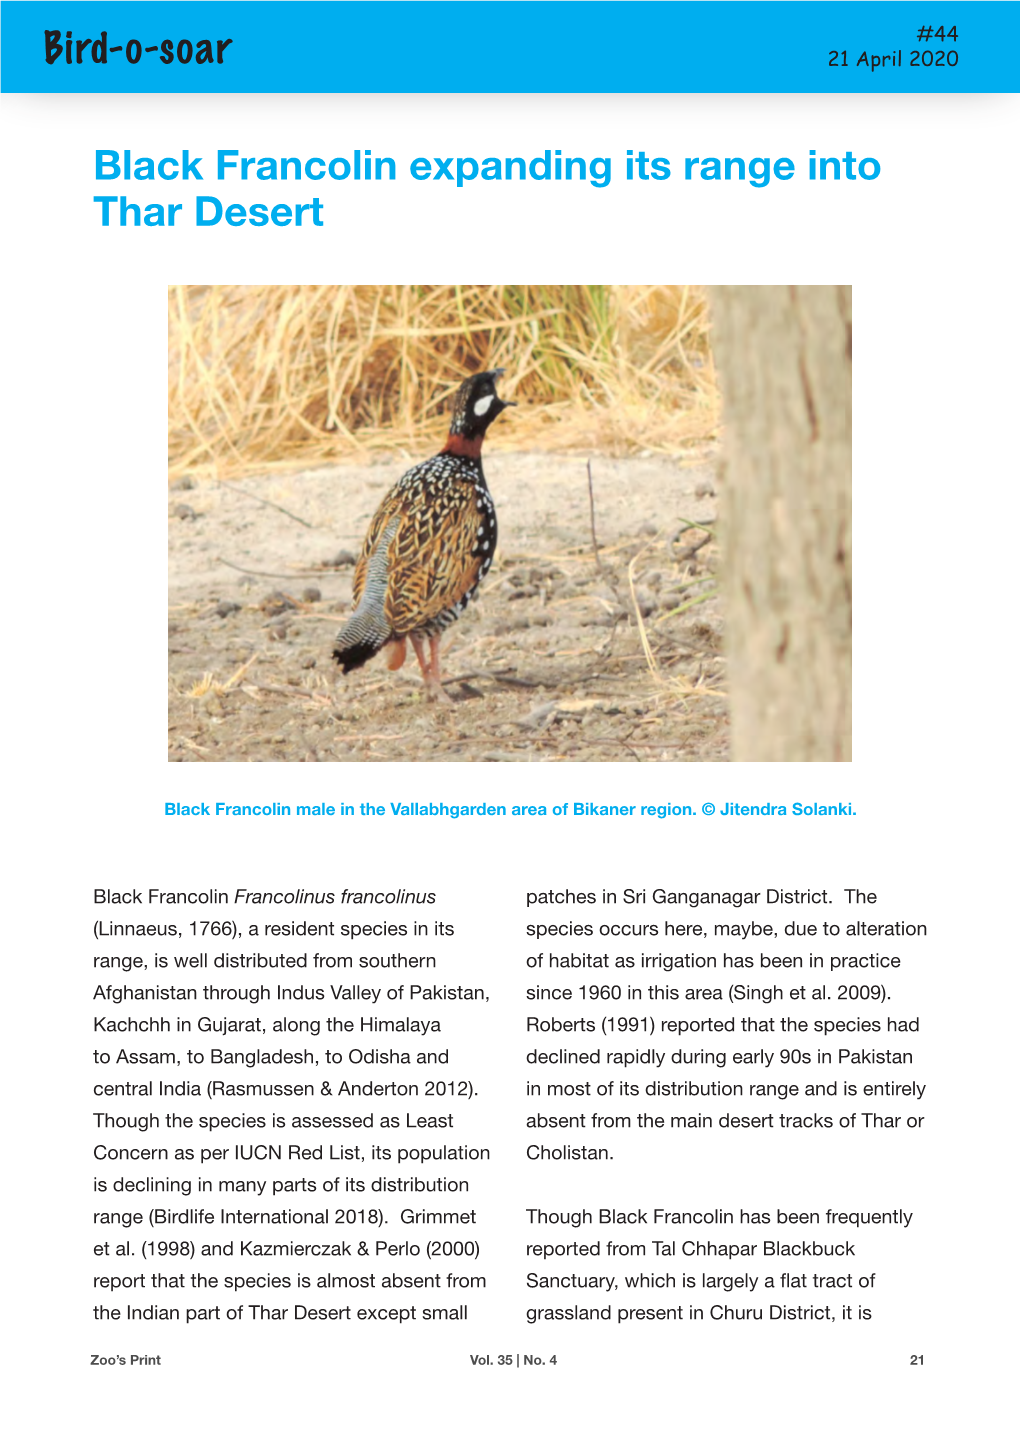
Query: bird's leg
395, 653
419, 651
434, 660
430, 668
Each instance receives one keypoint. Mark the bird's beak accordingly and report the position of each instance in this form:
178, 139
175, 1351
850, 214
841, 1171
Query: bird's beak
495, 377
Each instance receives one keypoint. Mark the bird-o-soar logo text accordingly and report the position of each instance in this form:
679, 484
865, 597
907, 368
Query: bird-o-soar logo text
61, 45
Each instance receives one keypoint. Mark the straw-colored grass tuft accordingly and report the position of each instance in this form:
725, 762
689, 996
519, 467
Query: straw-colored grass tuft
267, 377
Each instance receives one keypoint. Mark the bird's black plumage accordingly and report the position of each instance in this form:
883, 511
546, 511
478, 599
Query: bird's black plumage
429, 545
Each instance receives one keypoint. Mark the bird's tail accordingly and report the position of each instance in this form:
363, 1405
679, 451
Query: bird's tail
367, 629
362, 637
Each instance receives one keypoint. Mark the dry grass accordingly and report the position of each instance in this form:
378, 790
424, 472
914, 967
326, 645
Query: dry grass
266, 377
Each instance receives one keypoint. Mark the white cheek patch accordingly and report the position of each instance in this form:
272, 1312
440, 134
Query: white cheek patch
483, 405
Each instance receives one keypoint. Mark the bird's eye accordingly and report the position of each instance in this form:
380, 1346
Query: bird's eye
483, 404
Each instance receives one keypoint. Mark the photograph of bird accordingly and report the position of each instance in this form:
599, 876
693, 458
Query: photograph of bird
428, 547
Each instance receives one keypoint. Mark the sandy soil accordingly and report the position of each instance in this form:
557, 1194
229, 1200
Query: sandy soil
548, 664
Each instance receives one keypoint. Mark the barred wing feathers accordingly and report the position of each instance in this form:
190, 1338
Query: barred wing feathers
437, 528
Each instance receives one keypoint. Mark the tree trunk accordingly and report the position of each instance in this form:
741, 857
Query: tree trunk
783, 355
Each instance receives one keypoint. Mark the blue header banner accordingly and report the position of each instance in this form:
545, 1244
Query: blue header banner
508, 46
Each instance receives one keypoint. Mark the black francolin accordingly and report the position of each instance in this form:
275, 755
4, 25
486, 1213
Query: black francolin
428, 547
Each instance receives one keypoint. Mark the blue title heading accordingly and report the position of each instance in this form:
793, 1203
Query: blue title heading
233, 168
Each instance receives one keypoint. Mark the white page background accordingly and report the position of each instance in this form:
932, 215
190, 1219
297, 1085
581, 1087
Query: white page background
930, 251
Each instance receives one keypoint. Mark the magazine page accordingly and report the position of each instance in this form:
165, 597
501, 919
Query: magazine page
531, 957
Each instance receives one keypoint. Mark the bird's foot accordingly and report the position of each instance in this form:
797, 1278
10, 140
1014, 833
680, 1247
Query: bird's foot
434, 691
430, 668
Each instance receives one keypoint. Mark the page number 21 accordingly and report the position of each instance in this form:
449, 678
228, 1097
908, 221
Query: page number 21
917, 1360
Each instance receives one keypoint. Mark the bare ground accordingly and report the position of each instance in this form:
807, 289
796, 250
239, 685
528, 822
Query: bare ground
550, 663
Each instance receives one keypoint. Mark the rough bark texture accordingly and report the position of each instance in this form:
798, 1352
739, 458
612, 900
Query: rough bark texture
784, 359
